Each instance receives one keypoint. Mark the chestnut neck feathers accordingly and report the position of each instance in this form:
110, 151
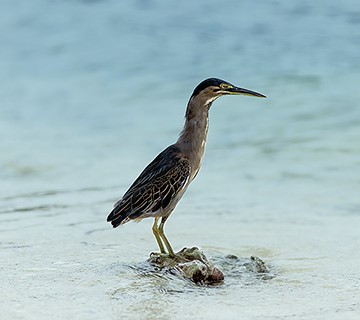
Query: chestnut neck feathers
192, 138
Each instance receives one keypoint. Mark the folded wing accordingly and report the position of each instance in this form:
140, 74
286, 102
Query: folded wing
155, 189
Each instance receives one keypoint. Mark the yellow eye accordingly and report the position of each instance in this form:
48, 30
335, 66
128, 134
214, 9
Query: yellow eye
225, 86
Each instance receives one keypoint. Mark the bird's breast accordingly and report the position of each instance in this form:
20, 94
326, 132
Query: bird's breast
196, 159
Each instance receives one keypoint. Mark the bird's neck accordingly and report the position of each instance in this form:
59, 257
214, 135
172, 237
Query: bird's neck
193, 136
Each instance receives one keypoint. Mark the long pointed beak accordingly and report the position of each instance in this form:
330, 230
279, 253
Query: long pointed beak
245, 92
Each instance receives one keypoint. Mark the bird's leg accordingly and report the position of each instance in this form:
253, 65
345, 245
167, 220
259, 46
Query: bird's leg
163, 237
156, 232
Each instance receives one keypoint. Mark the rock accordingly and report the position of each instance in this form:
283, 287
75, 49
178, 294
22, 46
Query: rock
256, 265
190, 263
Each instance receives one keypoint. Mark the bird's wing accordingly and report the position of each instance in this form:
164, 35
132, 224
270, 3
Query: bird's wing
154, 189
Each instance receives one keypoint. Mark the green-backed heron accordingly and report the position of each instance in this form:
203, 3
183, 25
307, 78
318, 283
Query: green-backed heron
158, 189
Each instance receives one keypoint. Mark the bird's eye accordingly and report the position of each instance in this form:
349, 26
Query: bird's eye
225, 86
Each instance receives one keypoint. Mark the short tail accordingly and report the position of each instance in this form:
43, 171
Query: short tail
116, 217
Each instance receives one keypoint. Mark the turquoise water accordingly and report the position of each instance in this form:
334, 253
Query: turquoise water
91, 91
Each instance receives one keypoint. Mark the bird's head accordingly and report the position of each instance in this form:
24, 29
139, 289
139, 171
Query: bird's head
212, 88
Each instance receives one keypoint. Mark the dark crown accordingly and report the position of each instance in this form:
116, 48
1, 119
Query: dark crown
207, 83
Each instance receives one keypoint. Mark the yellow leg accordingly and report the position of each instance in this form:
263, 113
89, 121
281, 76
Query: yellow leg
163, 237
156, 233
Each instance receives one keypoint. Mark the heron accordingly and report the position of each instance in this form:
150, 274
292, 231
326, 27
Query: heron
161, 185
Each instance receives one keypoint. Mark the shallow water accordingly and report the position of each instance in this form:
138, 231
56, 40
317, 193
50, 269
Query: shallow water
91, 91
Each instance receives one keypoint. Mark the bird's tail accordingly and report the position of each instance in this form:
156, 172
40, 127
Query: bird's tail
118, 216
